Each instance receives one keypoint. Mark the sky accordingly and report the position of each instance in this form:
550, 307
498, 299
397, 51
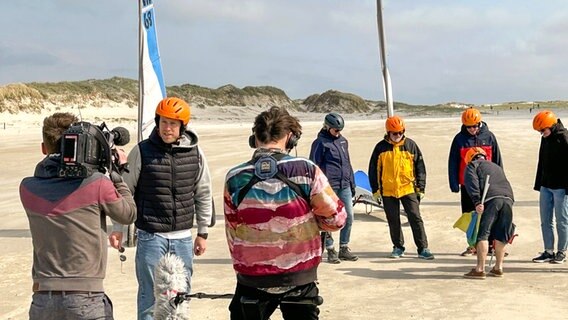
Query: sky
438, 51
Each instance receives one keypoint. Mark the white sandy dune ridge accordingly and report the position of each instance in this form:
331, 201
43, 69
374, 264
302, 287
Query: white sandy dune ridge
372, 287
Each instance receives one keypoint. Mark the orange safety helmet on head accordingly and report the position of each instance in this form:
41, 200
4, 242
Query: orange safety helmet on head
544, 119
474, 152
174, 108
394, 124
471, 117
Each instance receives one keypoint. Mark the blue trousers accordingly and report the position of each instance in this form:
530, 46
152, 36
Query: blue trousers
345, 234
553, 203
149, 250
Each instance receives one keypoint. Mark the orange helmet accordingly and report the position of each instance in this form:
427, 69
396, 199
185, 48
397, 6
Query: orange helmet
471, 117
544, 119
394, 124
174, 108
474, 152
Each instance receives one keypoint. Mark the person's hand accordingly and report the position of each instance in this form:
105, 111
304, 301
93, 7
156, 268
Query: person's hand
120, 156
420, 196
479, 208
353, 192
115, 239
199, 246
115, 177
377, 196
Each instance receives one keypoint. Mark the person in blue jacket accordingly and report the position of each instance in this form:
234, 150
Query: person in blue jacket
330, 151
473, 133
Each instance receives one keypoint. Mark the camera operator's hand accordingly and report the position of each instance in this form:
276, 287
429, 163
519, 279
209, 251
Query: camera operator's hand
115, 177
121, 156
115, 239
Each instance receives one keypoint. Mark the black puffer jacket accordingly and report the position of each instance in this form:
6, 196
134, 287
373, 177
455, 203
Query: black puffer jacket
165, 191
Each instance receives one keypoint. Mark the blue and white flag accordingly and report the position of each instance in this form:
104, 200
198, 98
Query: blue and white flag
152, 88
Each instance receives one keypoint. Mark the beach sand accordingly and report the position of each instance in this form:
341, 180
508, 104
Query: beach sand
374, 287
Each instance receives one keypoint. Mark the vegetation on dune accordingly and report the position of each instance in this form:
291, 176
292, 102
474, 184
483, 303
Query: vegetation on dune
34, 97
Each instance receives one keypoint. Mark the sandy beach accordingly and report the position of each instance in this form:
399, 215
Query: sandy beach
374, 287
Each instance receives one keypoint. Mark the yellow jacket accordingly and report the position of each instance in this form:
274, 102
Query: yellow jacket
397, 169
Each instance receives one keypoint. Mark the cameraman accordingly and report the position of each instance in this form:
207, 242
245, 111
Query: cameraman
67, 219
170, 180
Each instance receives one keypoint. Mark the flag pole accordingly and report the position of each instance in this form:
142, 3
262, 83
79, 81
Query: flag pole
383, 55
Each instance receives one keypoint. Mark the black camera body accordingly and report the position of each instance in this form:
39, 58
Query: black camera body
88, 148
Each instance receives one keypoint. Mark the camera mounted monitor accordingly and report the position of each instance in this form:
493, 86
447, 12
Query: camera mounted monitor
85, 149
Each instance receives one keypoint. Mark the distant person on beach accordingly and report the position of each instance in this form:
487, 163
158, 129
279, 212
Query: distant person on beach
552, 183
496, 212
67, 218
330, 151
397, 174
473, 133
170, 180
275, 206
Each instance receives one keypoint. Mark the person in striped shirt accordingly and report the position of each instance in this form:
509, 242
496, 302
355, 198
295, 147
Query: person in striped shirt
275, 206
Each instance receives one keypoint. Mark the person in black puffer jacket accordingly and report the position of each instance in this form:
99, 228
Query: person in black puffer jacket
170, 180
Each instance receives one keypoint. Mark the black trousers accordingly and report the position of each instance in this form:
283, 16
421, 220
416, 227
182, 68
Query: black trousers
411, 206
254, 304
466, 203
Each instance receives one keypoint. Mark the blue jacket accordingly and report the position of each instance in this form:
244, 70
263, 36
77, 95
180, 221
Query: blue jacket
331, 154
463, 141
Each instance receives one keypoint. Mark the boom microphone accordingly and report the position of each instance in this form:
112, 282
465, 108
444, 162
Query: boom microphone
121, 136
170, 284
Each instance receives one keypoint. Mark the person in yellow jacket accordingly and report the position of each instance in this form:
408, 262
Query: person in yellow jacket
397, 174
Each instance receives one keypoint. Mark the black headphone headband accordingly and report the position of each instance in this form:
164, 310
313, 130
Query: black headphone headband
291, 143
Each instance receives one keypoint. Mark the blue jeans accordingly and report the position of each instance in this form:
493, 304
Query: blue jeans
554, 200
345, 234
150, 249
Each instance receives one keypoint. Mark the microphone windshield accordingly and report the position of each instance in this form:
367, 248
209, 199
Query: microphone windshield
121, 136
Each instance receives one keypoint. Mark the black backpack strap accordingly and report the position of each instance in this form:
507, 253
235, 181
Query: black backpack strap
294, 186
243, 192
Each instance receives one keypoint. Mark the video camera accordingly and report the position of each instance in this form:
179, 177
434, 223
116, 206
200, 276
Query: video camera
87, 148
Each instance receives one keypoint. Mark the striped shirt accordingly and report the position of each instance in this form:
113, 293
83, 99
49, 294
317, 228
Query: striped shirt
273, 233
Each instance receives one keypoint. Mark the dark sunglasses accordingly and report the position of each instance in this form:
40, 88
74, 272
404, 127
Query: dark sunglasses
474, 126
542, 130
400, 133
336, 130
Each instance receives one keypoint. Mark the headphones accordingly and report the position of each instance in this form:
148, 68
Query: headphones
290, 143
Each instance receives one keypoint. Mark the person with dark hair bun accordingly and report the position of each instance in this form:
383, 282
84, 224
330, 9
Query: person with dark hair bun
275, 207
